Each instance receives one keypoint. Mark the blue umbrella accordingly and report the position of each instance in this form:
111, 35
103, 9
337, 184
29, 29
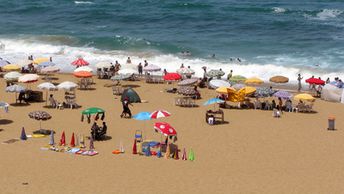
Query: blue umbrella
142, 116
283, 94
213, 101
46, 64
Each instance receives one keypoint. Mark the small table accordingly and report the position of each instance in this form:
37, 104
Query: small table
217, 115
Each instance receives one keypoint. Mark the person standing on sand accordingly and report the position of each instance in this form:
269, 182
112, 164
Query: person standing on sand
146, 63
128, 60
230, 74
299, 78
140, 68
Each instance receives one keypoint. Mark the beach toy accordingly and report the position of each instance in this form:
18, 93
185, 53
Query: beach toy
23, 134
63, 139
147, 151
184, 155
52, 140
92, 153
134, 147
116, 152
73, 150
72, 141
153, 153
191, 155
158, 154
167, 154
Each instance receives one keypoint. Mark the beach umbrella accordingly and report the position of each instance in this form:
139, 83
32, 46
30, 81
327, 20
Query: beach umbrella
187, 82
82, 74
165, 129
283, 94
225, 90
315, 81
304, 96
213, 101
12, 76
263, 92
46, 64
238, 86
151, 68
47, 86
3, 62
216, 83
142, 116
24, 62
279, 79
237, 78
186, 90
83, 68
103, 64
11, 67
80, 62
41, 60
28, 78
159, 114
215, 73
254, 80
249, 90
50, 69
172, 77
15, 89
67, 85
40, 116
127, 71
185, 71
93, 110
119, 77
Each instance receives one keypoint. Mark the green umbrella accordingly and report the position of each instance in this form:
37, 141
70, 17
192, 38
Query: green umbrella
93, 110
237, 78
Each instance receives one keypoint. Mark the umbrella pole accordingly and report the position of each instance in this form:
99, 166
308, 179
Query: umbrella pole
40, 124
46, 97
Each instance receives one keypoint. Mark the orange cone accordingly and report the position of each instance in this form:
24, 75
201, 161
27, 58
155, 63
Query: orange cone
72, 141
63, 139
134, 147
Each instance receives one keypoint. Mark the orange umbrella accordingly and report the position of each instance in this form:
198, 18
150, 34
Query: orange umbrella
82, 74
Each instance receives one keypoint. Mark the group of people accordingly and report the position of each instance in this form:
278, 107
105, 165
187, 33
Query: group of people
97, 132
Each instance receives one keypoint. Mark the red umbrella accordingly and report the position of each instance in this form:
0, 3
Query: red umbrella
159, 114
165, 129
80, 62
315, 81
82, 74
172, 76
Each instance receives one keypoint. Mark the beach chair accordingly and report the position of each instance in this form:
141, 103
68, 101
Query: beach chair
117, 90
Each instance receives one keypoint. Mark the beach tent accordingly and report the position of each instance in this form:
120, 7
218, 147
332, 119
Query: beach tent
131, 95
331, 93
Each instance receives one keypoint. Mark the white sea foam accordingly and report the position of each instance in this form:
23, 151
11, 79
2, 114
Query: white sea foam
83, 2
278, 10
327, 14
63, 55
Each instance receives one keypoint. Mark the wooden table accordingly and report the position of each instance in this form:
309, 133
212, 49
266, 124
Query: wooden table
217, 115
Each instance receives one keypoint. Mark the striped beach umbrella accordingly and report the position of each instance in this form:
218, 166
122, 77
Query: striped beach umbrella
159, 114
80, 62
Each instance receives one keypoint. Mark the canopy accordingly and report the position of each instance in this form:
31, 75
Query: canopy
254, 80
92, 110
283, 94
315, 81
213, 101
46, 64
151, 68
165, 129
279, 79
83, 68
304, 96
185, 71
225, 90
127, 71
11, 67
82, 74
237, 78
131, 95
238, 96
172, 76
47, 86
15, 88
187, 82
263, 92
187, 90
142, 116
103, 64
216, 83
80, 62
215, 73
28, 78
67, 85
41, 60
159, 114
12, 76
50, 69
121, 77
39, 115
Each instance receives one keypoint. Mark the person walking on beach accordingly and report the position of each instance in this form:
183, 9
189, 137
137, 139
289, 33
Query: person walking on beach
128, 60
126, 110
299, 78
146, 63
140, 68
230, 74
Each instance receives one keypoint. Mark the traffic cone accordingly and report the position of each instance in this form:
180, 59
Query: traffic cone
147, 151
23, 134
91, 143
63, 139
72, 141
52, 140
184, 155
167, 154
191, 155
134, 147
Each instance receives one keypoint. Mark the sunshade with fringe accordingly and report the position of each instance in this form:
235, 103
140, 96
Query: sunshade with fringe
80, 62
28, 78
185, 71
119, 77
172, 76
82, 74
151, 68
12, 76
219, 83
225, 90
283, 94
304, 96
83, 68
279, 79
254, 80
187, 82
67, 85
237, 78
215, 73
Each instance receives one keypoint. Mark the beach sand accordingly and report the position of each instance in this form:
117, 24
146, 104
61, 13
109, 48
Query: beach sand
253, 153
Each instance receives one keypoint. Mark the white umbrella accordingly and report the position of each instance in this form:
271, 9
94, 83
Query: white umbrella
24, 62
103, 64
219, 83
47, 86
83, 68
127, 71
185, 71
151, 68
28, 78
67, 85
15, 89
50, 69
12, 76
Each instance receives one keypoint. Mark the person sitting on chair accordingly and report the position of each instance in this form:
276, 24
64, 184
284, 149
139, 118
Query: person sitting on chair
22, 97
101, 132
94, 130
52, 101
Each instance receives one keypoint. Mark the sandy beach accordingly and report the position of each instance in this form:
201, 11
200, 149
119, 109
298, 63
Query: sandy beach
253, 153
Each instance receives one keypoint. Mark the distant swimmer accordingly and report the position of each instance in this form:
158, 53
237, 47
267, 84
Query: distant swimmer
128, 60
213, 56
238, 59
317, 65
186, 53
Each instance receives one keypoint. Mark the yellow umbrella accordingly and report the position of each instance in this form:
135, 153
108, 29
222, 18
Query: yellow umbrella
41, 60
254, 80
11, 67
248, 90
225, 90
304, 96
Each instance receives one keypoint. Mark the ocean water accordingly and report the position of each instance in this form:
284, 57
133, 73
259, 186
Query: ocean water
271, 37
